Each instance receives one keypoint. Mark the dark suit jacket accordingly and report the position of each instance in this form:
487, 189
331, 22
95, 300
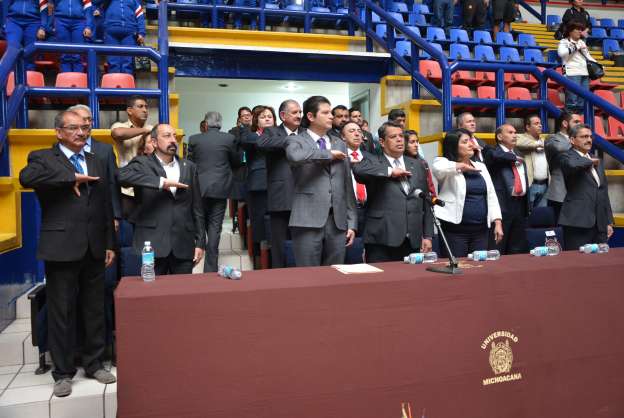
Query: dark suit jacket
215, 155
368, 143
70, 225
392, 213
499, 163
281, 185
171, 223
586, 204
239, 189
104, 152
485, 149
256, 163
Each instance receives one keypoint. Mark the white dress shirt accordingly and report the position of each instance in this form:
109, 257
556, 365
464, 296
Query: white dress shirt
593, 169
69, 153
172, 171
520, 168
316, 137
400, 164
289, 132
351, 158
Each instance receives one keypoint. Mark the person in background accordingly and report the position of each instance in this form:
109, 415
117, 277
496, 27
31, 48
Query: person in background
577, 13
508, 173
341, 117
472, 207
531, 148
369, 143
554, 146
26, 22
586, 214
398, 116
574, 55
474, 13
239, 191
73, 23
503, 11
443, 12
412, 149
352, 136
468, 122
262, 118
364, 126
124, 25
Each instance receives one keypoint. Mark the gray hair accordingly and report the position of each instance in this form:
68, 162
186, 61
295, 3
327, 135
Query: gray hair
284, 105
213, 120
460, 118
59, 119
575, 131
80, 106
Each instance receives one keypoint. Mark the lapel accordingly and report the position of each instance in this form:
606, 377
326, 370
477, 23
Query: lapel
94, 146
156, 166
62, 159
588, 174
91, 165
396, 182
410, 165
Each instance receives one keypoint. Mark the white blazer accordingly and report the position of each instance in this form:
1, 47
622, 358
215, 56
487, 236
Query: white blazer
452, 189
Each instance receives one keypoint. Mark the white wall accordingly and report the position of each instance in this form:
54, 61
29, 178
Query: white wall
551, 9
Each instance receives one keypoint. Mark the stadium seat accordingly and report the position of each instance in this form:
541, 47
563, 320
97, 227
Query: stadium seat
403, 48
555, 98
397, 16
482, 37
33, 79
484, 53
464, 77
607, 95
599, 33
594, 23
457, 90
459, 52
599, 127
47, 61
552, 21
435, 34
486, 92
397, 6
424, 54
617, 34
505, 38
508, 54
417, 19
540, 221
518, 93
616, 129
609, 46
534, 56
485, 78
414, 30
526, 39
71, 80
621, 23
118, 81
431, 70
421, 8
459, 36
521, 80
606, 23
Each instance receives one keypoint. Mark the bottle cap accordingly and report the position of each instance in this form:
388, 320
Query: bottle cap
147, 243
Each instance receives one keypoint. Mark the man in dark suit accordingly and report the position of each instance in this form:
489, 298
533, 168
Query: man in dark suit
369, 142
323, 219
239, 190
554, 146
586, 211
76, 243
169, 210
468, 122
398, 221
509, 176
281, 186
215, 155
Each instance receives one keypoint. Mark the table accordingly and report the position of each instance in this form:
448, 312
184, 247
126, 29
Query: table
312, 342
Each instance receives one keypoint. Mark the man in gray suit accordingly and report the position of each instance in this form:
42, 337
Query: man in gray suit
216, 156
323, 219
398, 221
281, 186
554, 146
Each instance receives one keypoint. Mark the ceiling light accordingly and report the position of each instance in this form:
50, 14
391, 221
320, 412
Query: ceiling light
290, 86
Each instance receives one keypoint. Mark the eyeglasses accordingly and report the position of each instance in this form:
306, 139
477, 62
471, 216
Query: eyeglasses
76, 128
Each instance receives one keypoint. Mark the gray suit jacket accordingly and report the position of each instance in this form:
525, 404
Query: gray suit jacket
216, 157
554, 146
281, 185
393, 214
321, 184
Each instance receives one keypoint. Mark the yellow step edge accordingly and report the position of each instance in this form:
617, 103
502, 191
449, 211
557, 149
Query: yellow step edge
618, 219
614, 173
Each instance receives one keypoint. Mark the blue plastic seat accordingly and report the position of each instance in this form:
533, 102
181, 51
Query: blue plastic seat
459, 52
526, 39
606, 23
505, 38
594, 22
617, 33
533, 55
435, 34
553, 20
621, 23
509, 54
381, 30
403, 48
414, 29
609, 46
482, 37
272, 6
420, 8
599, 33
397, 16
417, 19
459, 35
318, 9
374, 18
400, 7
424, 54
484, 53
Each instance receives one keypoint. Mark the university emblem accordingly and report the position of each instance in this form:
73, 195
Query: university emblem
501, 357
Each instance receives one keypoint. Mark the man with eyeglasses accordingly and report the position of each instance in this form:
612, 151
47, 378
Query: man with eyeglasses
586, 211
76, 244
130, 140
169, 211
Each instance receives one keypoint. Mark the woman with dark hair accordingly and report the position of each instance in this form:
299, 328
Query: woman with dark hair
574, 55
262, 117
412, 146
471, 203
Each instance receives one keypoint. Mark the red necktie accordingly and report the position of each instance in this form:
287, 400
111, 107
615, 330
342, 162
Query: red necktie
360, 191
517, 181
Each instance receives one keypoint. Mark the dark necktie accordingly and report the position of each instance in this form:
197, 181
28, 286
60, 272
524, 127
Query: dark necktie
321, 143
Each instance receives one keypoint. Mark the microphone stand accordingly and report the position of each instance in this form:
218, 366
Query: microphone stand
453, 266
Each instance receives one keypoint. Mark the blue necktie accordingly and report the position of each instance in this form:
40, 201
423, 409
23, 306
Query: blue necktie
75, 160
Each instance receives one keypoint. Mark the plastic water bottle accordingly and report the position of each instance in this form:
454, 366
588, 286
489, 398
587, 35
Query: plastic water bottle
594, 248
419, 258
545, 250
230, 272
147, 262
483, 255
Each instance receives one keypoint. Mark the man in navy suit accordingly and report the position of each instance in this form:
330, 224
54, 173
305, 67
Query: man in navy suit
509, 176
586, 211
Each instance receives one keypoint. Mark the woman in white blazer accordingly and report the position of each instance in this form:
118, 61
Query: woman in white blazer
471, 203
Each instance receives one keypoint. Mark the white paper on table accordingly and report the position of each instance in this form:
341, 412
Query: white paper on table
356, 268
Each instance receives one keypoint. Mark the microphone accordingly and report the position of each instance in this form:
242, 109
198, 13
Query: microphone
431, 200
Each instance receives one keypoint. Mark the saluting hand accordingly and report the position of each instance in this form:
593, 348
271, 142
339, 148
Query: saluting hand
338, 155
168, 184
82, 178
399, 172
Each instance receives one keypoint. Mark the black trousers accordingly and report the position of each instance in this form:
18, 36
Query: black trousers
257, 209
72, 284
279, 233
379, 253
214, 212
361, 220
172, 265
574, 237
464, 239
557, 207
474, 13
514, 228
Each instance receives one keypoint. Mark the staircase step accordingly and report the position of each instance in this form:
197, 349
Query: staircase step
22, 307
